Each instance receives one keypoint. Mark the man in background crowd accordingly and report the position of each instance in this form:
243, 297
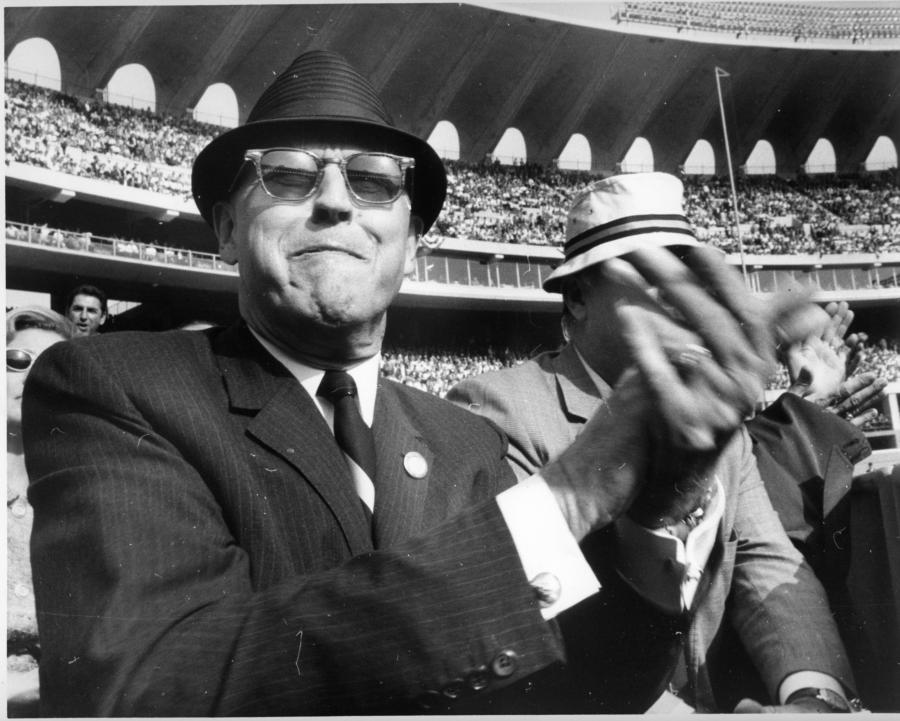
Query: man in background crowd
685, 550
86, 308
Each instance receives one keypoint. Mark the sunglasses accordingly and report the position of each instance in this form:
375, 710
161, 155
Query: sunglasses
18, 360
294, 174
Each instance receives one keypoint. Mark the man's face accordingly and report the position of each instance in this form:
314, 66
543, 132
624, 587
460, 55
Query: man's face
597, 332
86, 312
327, 263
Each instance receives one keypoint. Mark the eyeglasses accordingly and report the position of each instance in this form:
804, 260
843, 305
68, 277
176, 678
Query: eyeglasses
294, 174
19, 360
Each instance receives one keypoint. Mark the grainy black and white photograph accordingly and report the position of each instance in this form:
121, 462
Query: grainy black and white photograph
509, 358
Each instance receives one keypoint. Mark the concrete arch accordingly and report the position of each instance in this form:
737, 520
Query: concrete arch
35, 61
639, 157
445, 140
218, 106
701, 160
511, 148
132, 85
576, 155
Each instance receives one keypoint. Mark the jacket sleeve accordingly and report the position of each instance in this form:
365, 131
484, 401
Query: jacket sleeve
779, 607
526, 452
806, 457
146, 604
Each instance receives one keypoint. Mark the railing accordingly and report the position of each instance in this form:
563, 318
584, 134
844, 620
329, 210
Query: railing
492, 270
125, 249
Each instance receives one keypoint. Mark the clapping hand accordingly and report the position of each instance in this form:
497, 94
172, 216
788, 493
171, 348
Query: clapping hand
821, 368
704, 352
701, 355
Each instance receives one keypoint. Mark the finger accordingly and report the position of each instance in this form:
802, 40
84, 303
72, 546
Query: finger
738, 390
676, 407
800, 387
860, 393
722, 329
748, 705
864, 417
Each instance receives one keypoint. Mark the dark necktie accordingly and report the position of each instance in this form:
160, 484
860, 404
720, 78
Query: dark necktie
350, 430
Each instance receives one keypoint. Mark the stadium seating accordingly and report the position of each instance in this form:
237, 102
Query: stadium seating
523, 203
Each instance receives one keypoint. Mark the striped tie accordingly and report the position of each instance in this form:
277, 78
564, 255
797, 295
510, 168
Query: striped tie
350, 430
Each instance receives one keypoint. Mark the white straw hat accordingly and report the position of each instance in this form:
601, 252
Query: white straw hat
620, 214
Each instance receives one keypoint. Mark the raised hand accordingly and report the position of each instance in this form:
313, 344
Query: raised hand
702, 352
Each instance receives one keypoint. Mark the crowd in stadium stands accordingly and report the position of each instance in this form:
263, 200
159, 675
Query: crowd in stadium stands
796, 20
524, 203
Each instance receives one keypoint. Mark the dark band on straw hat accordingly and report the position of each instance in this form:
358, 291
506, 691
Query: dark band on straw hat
625, 227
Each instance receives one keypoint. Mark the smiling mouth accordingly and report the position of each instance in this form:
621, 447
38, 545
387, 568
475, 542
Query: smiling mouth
314, 249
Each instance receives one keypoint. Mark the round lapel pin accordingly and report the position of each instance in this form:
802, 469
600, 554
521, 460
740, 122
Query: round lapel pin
415, 464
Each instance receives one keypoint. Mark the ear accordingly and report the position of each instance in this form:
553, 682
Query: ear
223, 225
104, 317
574, 297
412, 243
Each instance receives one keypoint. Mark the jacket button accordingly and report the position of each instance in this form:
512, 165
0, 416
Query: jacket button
504, 664
547, 588
479, 679
430, 700
454, 689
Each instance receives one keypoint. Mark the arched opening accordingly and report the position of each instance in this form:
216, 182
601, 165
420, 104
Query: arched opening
821, 159
576, 155
218, 106
445, 140
511, 148
35, 61
883, 154
132, 86
761, 160
701, 160
639, 158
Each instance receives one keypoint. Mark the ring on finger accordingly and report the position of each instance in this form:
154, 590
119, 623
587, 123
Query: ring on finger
691, 355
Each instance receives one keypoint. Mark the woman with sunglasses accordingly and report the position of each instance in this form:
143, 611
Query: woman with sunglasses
29, 332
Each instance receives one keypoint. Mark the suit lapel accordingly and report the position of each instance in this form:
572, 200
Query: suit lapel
578, 392
402, 455
288, 424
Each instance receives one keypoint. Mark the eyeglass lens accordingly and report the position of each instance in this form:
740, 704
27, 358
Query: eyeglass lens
18, 360
294, 175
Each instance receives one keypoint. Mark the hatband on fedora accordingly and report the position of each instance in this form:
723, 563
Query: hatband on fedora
319, 91
619, 214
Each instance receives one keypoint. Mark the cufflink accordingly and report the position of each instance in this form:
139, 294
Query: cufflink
547, 588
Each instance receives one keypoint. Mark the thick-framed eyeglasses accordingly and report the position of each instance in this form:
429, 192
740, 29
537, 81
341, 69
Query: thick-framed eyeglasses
294, 174
19, 360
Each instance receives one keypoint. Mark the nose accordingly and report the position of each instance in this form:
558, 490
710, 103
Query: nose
332, 202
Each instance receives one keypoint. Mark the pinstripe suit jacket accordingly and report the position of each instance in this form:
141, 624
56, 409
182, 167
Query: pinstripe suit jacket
773, 599
198, 548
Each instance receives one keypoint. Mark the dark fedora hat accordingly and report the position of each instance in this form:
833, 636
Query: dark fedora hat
319, 91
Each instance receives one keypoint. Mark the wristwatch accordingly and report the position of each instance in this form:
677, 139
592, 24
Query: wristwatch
832, 699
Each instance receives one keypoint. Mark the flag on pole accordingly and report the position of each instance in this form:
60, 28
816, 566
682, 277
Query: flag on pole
721, 73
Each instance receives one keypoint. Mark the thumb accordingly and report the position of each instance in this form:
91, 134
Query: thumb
748, 705
800, 386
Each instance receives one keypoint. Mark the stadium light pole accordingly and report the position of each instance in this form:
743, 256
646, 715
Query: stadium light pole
734, 202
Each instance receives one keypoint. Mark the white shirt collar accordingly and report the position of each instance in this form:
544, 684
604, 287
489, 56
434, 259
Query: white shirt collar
365, 374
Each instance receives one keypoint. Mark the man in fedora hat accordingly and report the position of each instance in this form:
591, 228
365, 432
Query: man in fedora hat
249, 520
682, 553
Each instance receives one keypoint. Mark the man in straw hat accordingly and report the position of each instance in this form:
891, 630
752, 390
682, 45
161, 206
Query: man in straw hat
698, 538
249, 521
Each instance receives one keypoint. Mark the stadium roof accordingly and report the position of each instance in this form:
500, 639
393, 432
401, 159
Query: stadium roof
485, 70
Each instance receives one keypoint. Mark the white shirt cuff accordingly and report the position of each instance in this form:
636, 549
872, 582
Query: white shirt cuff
808, 679
550, 555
